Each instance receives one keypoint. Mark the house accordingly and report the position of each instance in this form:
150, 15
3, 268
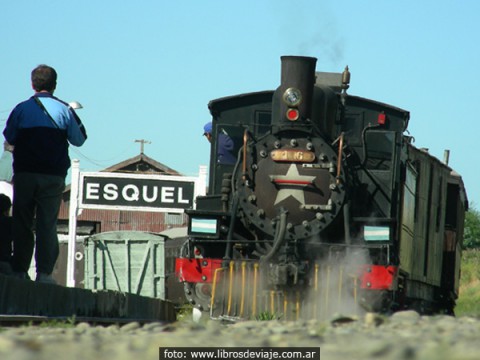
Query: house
93, 221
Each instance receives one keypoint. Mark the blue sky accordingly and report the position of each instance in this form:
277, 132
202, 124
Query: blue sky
147, 69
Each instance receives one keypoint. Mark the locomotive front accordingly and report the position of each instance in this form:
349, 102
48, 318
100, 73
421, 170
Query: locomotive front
292, 183
284, 196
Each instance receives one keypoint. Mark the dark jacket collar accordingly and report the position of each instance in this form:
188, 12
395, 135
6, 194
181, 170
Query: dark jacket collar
43, 94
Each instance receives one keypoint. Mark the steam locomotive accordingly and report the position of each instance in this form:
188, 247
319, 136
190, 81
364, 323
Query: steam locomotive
329, 207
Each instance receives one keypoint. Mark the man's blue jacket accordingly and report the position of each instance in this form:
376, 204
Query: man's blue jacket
41, 142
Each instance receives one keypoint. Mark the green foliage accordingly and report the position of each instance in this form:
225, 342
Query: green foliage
67, 323
468, 302
184, 312
472, 229
267, 316
470, 266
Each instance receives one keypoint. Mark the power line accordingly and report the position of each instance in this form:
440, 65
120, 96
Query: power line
100, 163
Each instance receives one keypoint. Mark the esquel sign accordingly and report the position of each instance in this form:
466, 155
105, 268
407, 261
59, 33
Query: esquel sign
160, 192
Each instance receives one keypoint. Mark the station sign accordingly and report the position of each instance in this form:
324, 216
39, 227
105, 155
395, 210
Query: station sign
119, 191
126, 191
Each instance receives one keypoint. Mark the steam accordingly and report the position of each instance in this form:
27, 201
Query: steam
335, 291
315, 33
324, 46
244, 293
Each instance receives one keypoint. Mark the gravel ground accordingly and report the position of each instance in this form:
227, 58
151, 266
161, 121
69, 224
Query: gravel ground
404, 335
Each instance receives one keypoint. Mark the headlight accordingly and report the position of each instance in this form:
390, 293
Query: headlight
292, 97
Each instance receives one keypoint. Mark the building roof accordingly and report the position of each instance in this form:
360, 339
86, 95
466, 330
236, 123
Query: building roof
141, 164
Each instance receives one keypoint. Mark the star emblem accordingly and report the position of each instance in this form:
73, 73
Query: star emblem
293, 179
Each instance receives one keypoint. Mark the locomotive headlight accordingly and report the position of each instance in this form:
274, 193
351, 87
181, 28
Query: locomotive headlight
292, 97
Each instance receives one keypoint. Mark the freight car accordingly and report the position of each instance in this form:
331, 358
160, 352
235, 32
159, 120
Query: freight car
329, 207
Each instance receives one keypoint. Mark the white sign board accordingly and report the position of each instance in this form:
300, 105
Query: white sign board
116, 191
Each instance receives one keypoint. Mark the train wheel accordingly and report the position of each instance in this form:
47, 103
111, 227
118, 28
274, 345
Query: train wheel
199, 295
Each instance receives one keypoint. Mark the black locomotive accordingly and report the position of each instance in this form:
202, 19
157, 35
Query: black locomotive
328, 205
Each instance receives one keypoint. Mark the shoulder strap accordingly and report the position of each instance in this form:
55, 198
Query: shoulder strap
39, 103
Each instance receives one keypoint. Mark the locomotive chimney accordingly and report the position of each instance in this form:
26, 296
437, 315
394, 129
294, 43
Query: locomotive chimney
298, 72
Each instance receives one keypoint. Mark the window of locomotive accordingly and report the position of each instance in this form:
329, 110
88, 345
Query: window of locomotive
354, 123
410, 198
440, 204
233, 132
379, 149
451, 210
263, 121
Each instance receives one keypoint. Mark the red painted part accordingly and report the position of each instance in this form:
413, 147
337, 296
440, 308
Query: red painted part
382, 118
292, 182
196, 270
292, 114
377, 277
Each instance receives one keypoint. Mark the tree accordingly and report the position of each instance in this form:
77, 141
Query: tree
472, 229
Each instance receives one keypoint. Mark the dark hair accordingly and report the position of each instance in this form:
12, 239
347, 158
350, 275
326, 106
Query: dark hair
44, 77
5, 203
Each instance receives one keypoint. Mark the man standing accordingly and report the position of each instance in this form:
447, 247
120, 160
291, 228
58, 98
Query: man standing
40, 129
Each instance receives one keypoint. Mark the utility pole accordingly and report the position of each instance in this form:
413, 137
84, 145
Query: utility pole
142, 144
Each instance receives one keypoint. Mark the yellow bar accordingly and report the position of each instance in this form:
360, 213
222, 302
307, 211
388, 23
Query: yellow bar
272, 302
355, 293
278, 302
214, 288
254, 300
327, 290
285, 304
230, 288
244, 264
340, 285
297, 305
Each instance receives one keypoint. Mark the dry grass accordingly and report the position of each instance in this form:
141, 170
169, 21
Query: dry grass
468, 303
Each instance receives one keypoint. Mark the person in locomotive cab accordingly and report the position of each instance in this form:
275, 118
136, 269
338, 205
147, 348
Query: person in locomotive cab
40, 129
225, 145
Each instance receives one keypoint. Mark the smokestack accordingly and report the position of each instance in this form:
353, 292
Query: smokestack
297, 72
